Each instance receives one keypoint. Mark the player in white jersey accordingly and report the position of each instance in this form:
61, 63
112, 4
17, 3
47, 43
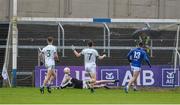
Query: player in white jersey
69, 81
90, 55
50, 54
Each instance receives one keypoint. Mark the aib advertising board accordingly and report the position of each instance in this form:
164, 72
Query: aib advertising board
158, 76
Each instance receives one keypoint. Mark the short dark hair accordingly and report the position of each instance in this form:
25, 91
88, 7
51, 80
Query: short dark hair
141, 44
90, 43
50, 39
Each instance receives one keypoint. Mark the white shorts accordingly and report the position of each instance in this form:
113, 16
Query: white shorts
50, 67
90, 68
133, 68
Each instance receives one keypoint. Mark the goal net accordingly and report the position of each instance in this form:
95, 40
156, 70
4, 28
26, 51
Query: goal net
115, 37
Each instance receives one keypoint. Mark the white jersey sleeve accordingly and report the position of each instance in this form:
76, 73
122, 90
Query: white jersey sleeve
96, 53
82, 52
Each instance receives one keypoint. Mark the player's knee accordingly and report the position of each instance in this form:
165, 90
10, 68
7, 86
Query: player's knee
93, 80
133, 79
54, 75
48, 77
46, 80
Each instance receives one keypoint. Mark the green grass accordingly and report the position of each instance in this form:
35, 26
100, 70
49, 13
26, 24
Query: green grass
72, 96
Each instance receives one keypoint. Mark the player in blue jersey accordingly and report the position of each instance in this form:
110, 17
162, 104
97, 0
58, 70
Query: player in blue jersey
135, 57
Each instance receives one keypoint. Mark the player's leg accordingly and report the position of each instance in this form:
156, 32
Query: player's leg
92, 81
135, 75
51, 80
133, 79
91, 70
106, 81
48, 85
93, 77
136, 71
53, 76
135, 85
45, 81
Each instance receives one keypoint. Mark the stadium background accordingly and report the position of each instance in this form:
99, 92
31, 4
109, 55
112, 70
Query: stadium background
121, 34
96, 8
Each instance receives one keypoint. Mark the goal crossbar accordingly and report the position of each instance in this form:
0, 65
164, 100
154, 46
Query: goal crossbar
25, 20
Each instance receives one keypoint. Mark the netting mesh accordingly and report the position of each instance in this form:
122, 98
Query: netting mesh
32, 36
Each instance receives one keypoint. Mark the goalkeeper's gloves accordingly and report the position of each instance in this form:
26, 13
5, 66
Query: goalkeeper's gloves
73, 48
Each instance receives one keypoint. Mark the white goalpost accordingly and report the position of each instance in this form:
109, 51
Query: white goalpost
103, 21
6, 64
176, 54
106, 22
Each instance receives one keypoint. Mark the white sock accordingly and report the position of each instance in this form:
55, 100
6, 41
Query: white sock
134, 87
127, 87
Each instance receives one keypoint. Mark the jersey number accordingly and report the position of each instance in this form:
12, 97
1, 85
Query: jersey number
48, 53
137, 55
90, 55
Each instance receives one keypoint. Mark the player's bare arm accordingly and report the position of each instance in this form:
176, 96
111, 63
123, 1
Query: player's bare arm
77, 54
41, 53
56, 57
66, 80
102, 57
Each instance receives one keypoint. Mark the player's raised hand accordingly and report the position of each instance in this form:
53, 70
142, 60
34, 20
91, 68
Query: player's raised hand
40, 50
73, 48
104, 55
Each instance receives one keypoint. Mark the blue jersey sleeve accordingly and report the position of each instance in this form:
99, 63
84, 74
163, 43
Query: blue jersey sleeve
146, 58
129, 56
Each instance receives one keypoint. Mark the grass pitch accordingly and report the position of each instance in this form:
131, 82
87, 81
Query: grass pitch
101, 96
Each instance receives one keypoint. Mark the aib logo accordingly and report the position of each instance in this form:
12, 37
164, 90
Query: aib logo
110, 74
170, 74
169, 77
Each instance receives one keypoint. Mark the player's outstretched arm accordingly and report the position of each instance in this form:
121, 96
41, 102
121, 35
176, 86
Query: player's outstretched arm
129, 56
147, 60
105, 81
75, 52
102, 57
41, 53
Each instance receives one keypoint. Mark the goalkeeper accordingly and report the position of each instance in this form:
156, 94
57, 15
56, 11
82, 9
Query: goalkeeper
69, 81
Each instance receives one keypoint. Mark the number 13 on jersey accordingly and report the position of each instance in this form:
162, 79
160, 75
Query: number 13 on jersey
137, 54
